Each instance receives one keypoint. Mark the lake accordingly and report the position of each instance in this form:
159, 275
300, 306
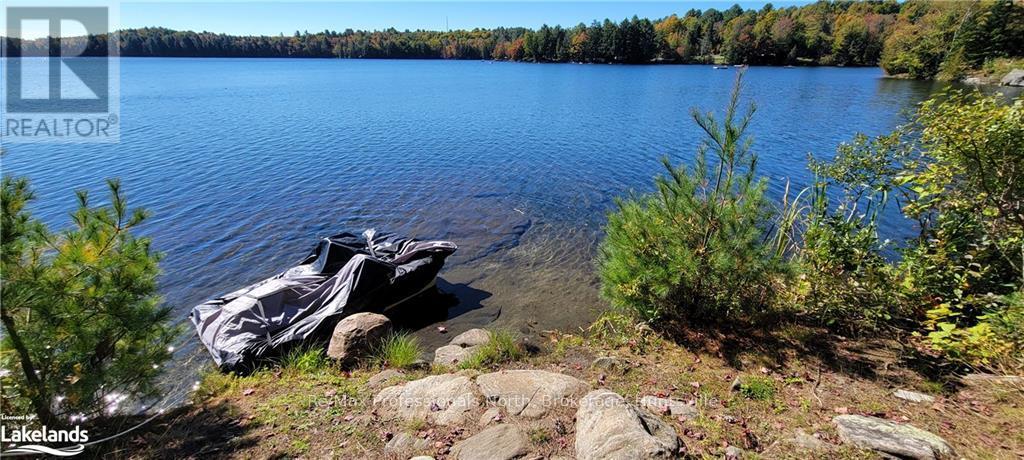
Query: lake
245, 162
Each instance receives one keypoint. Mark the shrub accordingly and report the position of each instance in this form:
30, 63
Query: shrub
965, 268
398, 350
82, 322
697, 246
502, 348
846, 282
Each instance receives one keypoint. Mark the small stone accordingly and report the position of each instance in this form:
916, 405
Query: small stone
355, 336
610, 364
890, 438
383, 378
500, 442
992, 379
736, 384
733, 453
490, 415
668, 406
404, 442
913, 396
805, 441
451, 355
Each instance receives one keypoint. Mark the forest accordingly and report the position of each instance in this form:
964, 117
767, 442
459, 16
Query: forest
917, 38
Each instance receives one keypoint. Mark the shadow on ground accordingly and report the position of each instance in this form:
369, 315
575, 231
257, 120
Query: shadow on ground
206, 431
775, 342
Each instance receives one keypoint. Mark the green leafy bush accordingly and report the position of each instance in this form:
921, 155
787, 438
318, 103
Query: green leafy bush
697, 246
83, 326
965, 269
845, 281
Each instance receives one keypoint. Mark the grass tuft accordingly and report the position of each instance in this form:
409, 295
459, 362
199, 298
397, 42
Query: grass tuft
759, 388
399, 350
502, 348
304, 360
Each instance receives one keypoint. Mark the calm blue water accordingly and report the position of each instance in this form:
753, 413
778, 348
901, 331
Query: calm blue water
245, 162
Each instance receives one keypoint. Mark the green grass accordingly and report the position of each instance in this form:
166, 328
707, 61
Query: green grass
538, 436
304, 360
758, 388
502, 348
397, 350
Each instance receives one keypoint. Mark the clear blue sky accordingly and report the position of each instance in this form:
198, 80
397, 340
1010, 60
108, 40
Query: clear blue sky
272, 18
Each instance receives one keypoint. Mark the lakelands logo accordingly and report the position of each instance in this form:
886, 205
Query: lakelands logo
31, 441
61, 73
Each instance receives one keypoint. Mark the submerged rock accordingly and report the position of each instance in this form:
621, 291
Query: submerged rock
890, 438
501, 442
609, 427
913, 396
668, 406
445, 399
355, 336
530, 393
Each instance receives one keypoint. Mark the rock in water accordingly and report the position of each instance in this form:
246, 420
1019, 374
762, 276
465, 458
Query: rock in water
355, 336
501, 442
530, 393
913, 396
901, 440
1014, 78
609, 427
445, 399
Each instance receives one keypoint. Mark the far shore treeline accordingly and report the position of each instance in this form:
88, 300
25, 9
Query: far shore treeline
916, 38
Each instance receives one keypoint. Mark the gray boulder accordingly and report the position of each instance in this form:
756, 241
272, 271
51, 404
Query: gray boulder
890, 438
500, 442
356, 335
668, 406
530, 393
609, 427
1014, 78
445, 399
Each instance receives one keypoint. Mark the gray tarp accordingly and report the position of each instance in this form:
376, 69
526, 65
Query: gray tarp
344, 274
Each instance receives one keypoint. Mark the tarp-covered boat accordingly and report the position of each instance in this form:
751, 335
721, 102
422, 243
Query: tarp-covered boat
344, 274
